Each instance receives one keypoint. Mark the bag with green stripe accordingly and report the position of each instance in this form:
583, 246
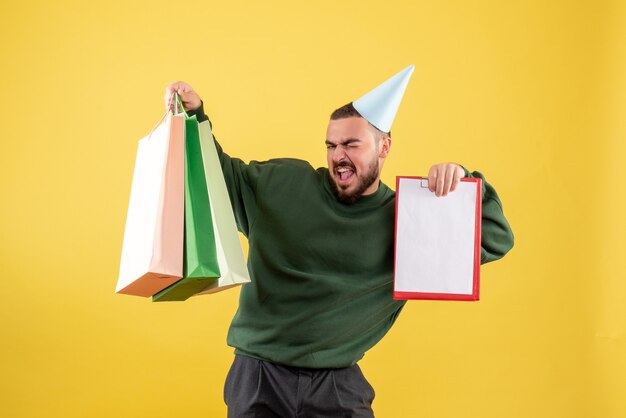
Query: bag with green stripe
200, 264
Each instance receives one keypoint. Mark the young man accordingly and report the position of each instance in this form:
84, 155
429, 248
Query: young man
321, 264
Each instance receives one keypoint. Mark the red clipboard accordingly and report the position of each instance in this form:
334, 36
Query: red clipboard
437, 241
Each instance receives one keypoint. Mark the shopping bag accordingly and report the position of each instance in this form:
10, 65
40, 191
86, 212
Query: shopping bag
229, 253
152, 250
200, 265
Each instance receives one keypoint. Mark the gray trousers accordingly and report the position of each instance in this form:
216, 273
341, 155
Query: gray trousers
256, 388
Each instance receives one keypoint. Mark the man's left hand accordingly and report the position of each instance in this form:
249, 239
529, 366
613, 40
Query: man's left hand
444, 178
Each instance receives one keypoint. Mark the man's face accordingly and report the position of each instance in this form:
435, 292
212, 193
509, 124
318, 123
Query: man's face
355, 157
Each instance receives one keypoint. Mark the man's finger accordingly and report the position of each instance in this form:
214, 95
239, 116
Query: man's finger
175, 87
187, 97
172, 88
183, 90
432, 178
449, 174
456, 179
169, 94
441, 178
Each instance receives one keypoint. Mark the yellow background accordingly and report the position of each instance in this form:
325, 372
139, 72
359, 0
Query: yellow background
531, 93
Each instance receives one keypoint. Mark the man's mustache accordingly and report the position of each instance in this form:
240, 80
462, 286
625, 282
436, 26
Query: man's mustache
345, 164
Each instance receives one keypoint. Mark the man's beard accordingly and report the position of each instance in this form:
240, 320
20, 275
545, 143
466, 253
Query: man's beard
371, 175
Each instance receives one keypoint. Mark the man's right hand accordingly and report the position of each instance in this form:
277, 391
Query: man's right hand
190, 99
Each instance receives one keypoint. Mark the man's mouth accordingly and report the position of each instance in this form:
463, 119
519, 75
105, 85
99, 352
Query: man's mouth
344, 173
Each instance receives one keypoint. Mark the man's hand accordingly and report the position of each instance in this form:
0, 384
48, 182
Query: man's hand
444, 178
190, 99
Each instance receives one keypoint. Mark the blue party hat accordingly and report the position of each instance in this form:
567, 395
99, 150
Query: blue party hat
379, 106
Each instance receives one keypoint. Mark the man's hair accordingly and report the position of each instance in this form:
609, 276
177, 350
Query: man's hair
348, 111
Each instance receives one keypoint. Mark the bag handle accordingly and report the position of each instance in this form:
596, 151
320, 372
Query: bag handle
178, 106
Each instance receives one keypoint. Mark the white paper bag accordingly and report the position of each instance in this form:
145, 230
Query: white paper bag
152, 252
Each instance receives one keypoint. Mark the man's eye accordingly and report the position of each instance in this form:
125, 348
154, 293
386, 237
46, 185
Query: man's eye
328, 146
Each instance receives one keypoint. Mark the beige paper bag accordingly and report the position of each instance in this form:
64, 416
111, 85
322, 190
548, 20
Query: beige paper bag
230, 257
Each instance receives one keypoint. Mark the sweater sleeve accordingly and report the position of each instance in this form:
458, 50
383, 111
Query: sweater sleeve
496, 235
241, 181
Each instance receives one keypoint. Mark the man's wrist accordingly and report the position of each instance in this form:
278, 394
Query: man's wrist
199, 112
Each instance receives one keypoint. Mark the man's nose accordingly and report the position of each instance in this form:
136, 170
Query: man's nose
339, 153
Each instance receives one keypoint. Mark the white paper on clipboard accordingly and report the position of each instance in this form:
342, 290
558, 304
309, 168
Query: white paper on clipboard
437, 246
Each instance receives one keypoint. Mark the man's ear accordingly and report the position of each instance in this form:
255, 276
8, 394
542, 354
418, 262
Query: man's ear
384, 147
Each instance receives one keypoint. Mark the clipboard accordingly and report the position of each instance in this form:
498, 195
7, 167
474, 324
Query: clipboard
437, 241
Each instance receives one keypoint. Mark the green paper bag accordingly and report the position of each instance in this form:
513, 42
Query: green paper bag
200, 264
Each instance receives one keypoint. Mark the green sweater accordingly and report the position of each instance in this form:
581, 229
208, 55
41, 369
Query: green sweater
321, 270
